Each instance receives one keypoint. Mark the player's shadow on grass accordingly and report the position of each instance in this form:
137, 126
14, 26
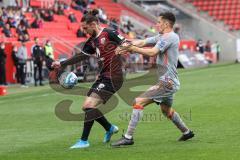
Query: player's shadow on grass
62, 109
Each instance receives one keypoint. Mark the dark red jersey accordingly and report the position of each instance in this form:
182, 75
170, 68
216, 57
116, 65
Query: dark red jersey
104, 46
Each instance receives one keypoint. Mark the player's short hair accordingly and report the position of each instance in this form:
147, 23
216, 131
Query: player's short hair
90, 16
169, 16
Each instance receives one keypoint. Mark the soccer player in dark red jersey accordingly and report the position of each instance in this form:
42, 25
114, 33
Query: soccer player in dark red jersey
102, 42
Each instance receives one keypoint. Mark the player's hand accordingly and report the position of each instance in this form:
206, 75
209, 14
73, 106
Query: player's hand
124, 48
120, 51
56, 64
126, 45
53, 76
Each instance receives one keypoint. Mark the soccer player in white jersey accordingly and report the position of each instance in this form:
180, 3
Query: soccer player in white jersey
166, 45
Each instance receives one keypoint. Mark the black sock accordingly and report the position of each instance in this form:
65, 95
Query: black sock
90, 116
104, 122
97, 115
88, 123
101, 119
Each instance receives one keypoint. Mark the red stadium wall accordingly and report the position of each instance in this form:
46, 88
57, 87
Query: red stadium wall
10, 69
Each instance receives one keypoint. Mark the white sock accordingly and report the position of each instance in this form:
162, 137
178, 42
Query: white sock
135, 118
128, 136
177, 120
188, 131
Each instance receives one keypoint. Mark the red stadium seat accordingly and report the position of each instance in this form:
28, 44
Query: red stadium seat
227, 11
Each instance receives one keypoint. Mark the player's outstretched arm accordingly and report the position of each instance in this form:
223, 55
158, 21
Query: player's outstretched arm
71, 61
127, 46
144, 51
139, 43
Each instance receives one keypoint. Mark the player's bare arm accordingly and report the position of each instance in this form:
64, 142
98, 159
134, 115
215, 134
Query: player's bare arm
139, 43
126, 45
135, 46
144, 51
132, 48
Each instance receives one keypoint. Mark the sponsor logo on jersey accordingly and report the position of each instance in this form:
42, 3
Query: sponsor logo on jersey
100, 86
162, 44
103, 40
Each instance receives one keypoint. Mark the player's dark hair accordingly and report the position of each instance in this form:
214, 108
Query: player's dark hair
90, 16
169, 16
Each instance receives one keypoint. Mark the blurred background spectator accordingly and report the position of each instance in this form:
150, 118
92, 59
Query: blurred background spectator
15, 62
49, 56
208, 46
22, 60
113, 23
3, 57
49, 50
79, 5
216, 49
38, 58
72, 17
7, 30
80, 33
102, 15
37, 23
200, 46
47, 15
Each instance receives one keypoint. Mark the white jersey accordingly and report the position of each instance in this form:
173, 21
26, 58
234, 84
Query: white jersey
167, 59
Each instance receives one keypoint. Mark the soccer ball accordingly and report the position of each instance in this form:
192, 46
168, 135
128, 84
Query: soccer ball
68, 80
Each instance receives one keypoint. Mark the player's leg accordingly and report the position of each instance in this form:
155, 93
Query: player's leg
35, 74
91, 113
177, 120
40, 73
99, 94
105, 89
98, 116
142, 101
1, 71
136, 116
22, 74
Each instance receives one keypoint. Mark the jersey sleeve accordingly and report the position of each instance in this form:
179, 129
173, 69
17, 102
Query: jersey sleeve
88, 47
115, 37
162, 44
152, 40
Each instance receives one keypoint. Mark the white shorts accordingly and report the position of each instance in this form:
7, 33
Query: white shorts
161, 93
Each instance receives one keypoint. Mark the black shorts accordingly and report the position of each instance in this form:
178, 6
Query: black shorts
105, 87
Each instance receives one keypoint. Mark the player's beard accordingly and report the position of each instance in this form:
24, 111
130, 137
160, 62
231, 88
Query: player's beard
94, 34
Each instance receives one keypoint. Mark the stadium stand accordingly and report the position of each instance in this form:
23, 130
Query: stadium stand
61, 27
60, 30
227, 11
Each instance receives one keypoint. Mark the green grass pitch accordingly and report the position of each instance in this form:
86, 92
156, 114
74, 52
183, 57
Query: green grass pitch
209, 100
